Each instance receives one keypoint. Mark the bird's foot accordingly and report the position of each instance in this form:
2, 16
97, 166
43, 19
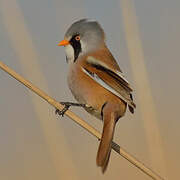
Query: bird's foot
66, 107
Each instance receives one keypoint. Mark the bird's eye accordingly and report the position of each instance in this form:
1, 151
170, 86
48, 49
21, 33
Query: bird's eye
77, 38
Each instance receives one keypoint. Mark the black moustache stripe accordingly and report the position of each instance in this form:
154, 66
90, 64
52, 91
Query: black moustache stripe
76, 46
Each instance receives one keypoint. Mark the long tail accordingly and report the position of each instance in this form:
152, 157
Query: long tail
104, 150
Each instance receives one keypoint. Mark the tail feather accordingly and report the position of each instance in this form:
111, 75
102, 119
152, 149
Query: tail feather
104, 150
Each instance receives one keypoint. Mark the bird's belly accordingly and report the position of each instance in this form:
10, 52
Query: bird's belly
82, 94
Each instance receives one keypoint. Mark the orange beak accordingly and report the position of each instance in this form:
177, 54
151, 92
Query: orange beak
64, 43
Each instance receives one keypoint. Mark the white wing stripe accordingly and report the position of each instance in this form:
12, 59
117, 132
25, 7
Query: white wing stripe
96, 78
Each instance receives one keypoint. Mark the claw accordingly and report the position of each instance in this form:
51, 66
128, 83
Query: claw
62, 112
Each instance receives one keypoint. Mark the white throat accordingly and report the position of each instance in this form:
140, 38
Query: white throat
69, 53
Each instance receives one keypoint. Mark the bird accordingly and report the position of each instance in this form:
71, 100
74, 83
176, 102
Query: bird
96, 81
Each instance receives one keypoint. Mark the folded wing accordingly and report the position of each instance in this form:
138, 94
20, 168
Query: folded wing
110, 79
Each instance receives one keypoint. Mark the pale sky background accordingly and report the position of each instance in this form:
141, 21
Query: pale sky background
35, 143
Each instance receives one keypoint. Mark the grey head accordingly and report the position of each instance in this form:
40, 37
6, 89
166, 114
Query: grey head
84, 36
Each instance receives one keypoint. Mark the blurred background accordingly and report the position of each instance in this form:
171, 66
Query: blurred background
144, 37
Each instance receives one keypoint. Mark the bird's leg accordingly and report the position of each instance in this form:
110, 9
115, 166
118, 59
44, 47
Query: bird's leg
66, 107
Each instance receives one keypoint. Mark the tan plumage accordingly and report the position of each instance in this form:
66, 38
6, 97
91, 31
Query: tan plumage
96, 80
